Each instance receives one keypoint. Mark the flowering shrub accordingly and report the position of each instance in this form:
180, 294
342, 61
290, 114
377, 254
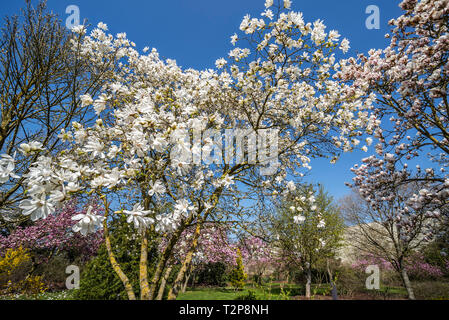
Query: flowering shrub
15, 268
55, 234
418, 268
415, 264
12, 259
367, 260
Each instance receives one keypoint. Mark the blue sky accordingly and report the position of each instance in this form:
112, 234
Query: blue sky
196, 32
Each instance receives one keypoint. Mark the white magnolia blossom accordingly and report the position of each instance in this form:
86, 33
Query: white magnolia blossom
321, 224
27, 148
137, 216
88, 222
299, 219
7, 166
291, 186
227, 181
157, 188
37, 207
182, 207
86, 100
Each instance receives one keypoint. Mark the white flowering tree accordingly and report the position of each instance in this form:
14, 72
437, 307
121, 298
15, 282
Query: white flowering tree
308, 229
156, 154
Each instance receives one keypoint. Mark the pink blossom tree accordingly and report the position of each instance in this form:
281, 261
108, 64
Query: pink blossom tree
213, 246
47, 237
409, 79
258, 256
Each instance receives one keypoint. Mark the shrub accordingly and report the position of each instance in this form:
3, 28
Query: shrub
349, 281
431, 290
419, 269
251, 295
52, 246
237, 276
212, 274
15, 273
436, 254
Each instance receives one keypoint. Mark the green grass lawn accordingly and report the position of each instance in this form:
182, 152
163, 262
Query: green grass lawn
271, 291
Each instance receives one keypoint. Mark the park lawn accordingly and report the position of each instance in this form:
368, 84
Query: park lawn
271, 291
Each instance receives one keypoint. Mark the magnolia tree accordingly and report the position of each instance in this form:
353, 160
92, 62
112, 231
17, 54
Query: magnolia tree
382, 232
410, 80
156, 152
308, 229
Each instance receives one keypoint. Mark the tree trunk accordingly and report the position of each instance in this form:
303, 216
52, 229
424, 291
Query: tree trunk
155, 280
308, 282
184, 286
334, 287
407, 284
173, 293
160, 294
115, 265
193, 279
143, 269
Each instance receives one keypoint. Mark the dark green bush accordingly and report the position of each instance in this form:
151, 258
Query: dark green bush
212, 274
53, 270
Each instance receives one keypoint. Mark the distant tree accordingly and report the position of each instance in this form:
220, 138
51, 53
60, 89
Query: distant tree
308, 228
257, 255
380, 232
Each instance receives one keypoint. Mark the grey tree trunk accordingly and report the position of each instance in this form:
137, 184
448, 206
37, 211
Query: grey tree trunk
308, 282
184, 286
160, 293
407, 284
334, 287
